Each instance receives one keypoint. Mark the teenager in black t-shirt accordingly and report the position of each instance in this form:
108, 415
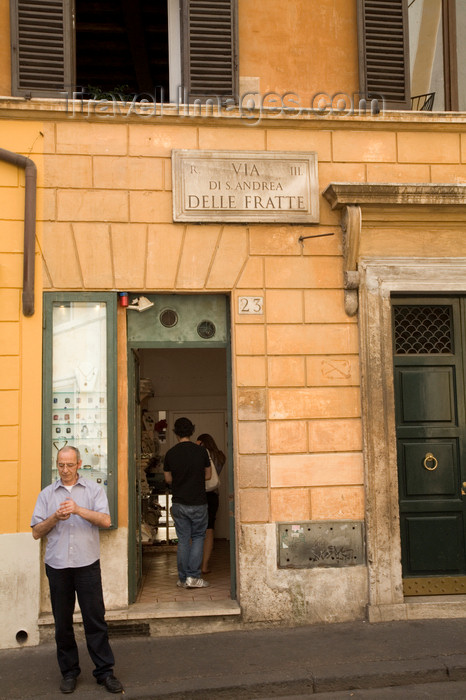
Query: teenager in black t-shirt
187, 467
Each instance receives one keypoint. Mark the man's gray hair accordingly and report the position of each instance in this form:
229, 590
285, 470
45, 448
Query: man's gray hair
70, 447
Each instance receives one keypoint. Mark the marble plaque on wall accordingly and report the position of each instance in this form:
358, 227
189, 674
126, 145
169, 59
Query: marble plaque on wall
308, 545
250, 186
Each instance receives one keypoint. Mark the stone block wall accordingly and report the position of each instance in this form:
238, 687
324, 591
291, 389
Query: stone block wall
105, 223
20, 369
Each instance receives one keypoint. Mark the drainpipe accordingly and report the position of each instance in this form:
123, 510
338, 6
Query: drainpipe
30, 172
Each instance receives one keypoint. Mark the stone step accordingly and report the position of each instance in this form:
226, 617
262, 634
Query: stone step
154, 620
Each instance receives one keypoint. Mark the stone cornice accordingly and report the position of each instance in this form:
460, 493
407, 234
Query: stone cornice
304, 117
352, 197
342, 194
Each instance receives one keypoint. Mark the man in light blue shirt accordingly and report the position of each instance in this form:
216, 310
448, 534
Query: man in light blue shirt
69, 513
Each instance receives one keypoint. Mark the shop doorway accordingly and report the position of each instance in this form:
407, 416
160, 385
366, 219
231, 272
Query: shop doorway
179, 365
430, 401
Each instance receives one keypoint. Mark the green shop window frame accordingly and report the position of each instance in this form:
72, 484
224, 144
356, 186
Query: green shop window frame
79, 397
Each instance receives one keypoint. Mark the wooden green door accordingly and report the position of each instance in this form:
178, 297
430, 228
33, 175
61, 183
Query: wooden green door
429, 367
134, 442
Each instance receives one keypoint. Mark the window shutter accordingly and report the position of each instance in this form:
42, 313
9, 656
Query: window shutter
209, 48
384, 52
42, 47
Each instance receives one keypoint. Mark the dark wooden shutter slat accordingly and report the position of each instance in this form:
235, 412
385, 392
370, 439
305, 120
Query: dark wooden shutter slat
42, 57
383, 52
209, 46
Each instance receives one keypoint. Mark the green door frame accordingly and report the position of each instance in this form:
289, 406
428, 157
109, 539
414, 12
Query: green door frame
132, 389
110, 300
134, 505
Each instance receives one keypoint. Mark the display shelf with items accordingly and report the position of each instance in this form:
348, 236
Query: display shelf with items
80, 386
80, 420
157, 526
146, 389
166, 533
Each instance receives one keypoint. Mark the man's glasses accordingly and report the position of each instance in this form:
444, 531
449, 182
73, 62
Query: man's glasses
68, 466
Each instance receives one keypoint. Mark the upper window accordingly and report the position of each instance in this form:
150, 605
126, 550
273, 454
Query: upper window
411, 53
174, 50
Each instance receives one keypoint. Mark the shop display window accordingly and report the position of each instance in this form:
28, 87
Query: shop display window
79, 386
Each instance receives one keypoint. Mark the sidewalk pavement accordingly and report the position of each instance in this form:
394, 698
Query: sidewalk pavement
255, 663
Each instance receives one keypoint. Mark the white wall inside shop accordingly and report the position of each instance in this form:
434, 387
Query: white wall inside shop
188, 379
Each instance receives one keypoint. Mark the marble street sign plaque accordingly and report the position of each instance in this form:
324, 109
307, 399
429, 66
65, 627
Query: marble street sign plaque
249, 186
308, 545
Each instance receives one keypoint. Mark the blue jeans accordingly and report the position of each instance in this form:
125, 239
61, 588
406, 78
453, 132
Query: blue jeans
190, 524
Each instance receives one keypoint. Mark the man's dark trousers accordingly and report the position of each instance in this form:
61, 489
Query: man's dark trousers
86, 582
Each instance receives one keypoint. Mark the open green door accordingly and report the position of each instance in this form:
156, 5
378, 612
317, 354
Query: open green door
134, 444
429, 366
175, 322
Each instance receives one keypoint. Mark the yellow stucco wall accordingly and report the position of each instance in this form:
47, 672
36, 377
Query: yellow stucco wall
295, 368
105, 223
20, 339
310, 48
5, 55
105, 189
296, 375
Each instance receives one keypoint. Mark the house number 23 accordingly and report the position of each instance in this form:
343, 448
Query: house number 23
250, 305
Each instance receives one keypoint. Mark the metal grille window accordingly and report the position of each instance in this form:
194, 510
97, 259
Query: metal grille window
423, 330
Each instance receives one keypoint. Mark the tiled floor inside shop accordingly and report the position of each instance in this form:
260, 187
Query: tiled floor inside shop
160, 575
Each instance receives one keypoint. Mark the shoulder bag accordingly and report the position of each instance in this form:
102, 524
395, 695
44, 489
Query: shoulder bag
214, 482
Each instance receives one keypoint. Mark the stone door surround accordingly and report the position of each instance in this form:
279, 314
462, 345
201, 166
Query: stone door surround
370, 280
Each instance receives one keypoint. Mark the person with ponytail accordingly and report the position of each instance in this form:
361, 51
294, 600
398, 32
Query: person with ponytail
219, 459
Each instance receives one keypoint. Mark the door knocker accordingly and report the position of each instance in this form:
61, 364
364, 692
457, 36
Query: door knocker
430, 458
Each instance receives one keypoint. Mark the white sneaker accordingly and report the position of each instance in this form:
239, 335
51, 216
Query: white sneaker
196, 582
181, 584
